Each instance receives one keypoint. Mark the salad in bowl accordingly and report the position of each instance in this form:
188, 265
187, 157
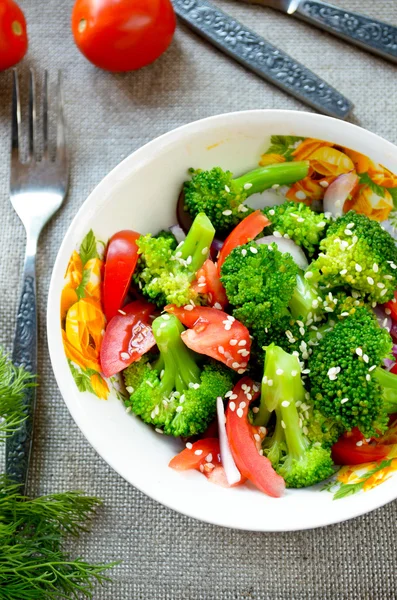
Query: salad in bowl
253, 338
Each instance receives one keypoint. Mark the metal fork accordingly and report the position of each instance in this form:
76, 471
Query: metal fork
37, 189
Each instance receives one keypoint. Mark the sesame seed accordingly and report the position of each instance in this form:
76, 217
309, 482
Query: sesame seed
261, 452
130, 389
285, 403
189, 445
227, 189
275, 186
204, 251
383, 292
242, 404
375, 268
308, 275
322, 223
179, 409
188, 307
217, 306
122, 312
365, 358
124, 355
235, 365
232, 406
358, 268
359, 443
221, 350
305, 430
393, 266
242, 343
283, 425
359, 351
182, 398
198, 452
348, 232
228, 394
255, 409
239, 412
241, 371
279, 372
294, 373
244, 252
272, 212
228, 326
300, 220
389, 277
227, 212
380, 285
277, 234
253, 250
324, 184
350, 226
315, 304
247, 186
306, 371
302, 330
257, 437
208, 458
372, 368
202, 468
128, 409
344, 400
343, 272
344, 314
370, 280
300, 195
233, 342
368, 377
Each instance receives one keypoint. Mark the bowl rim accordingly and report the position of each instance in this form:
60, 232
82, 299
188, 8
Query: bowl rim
132, 163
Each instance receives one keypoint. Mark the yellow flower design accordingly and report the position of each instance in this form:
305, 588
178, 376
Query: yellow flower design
73, 278
271, 159
93, 286
99, 386
367, 202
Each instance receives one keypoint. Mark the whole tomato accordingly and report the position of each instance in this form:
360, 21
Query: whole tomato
123, 35
13, 35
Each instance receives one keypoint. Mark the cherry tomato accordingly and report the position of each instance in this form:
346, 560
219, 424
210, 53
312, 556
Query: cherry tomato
13, 35
203, 456
245, 231
252, 465
123, 35
346, 451
121, 259
392, 305
208, 283
127, 337
216, 334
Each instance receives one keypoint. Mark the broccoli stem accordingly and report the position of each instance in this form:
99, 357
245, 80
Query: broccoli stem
296, 441
388, 381
276, 444
197, 242
176, 360
264, 178
304, 299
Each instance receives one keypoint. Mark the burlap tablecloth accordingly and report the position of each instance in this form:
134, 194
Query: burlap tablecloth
165, 555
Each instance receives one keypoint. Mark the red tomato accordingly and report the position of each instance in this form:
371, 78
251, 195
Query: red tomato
13, 35
208, 282
252, 465
123, 35
121, 259
245, 231
216, 334
392, 305
346, 452
127, 337
203, 456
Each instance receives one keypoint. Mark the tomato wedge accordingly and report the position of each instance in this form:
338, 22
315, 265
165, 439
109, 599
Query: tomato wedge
346, 451
392, 306
216, 334
127, 337
245, 231
121, 259
208, 282
203, 456
252, 465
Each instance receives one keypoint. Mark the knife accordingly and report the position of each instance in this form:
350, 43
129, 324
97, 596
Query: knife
260, 56
370, 34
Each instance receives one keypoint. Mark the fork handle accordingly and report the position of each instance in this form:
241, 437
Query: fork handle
19, 445
372, 35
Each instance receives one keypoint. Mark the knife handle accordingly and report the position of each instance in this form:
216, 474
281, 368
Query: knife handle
370, 34
258, 55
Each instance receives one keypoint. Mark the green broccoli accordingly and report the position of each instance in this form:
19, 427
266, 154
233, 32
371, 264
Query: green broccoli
174, 393
164, 275
166, 234
297, 221
341, 372
359, 254
300, 462
388, 383
222, 198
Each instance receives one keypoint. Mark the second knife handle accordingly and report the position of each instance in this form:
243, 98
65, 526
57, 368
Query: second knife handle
370, 34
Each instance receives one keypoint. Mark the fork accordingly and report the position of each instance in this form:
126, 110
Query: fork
37, 189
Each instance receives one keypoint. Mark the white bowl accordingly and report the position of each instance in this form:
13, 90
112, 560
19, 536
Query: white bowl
141, 194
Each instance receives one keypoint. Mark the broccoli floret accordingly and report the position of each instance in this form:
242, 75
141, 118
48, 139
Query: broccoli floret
318, 428
222, 198
359, 254
164, 275
165, 234
388, 382
297, 220
293, 456
342, 382
174, 393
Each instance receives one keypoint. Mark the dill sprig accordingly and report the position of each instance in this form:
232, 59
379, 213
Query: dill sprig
34, 563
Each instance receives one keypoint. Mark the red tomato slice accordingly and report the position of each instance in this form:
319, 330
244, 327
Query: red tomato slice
13, 34
216, 334
245, 231
346, 452
127, 337
392, 305
121, 259
252, 465
203, 456
208, 282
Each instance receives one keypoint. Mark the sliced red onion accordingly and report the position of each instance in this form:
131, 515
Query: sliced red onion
286, 245
394, 351
383, 319
216, 245
178, 232
231, 471
338, 192
388, 363
393, 332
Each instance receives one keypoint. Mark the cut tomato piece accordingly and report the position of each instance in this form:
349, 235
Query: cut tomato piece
251, 464
121, 259
127, 337
208, 282
216, 334
392, 306
346, 451
245, 231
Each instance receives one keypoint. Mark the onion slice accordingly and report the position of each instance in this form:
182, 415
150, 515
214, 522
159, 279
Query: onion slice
232, 473
383, 319
285, 245
338, 192
178, 232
